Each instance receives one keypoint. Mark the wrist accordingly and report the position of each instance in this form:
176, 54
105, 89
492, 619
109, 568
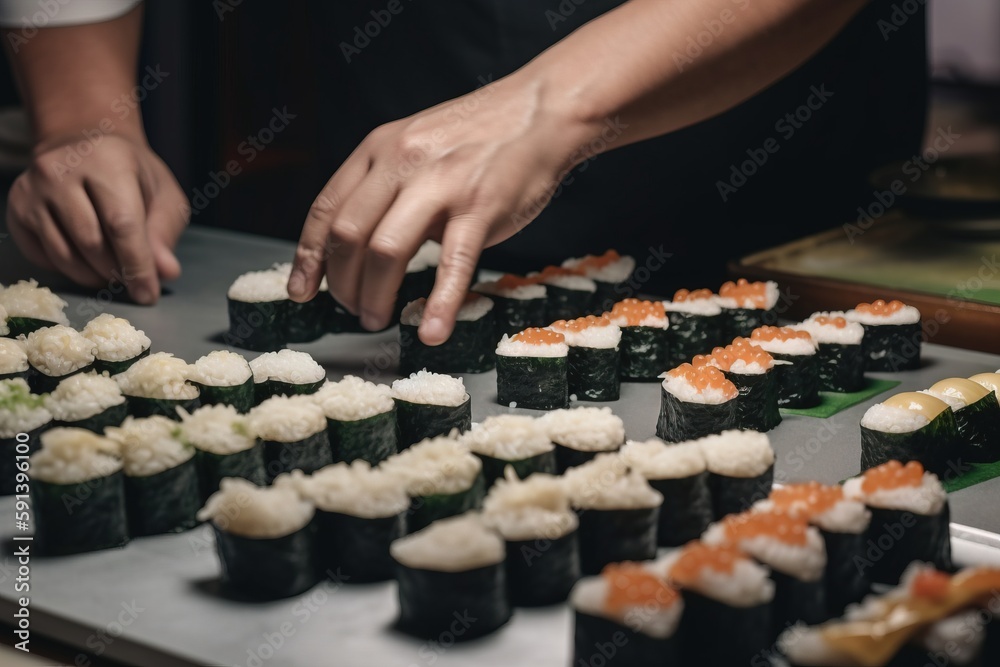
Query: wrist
88, 127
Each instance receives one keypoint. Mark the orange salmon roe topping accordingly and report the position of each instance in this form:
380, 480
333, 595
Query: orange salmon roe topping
582, 323
741, 349
778, 333
931, 584
697, 556
880, 307
511, 281
824, 320
692, 295
743, 290
807, 499
631, 585
551, 271
706, 377
538, 336
598, 261
781, 526
892, 475
634, 311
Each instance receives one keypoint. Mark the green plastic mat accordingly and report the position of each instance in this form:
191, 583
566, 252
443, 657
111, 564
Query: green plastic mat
976, 473
831, 403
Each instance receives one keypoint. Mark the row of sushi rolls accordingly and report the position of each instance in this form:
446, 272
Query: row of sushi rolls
676, 550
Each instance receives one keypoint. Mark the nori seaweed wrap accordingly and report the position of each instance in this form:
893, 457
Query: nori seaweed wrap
845, 583
26, 307
644, 353
840, 368
741, 470
358, 547
23, 418
224, 378
158, 385
686, 511
164, 502
611, 273
372, 439
241, 396
695, 402
592, 369
256, 326
117, 343
757, 404
110, 416
797, 381
532, 370
308, 455
517, 441
518, 303
598, 639
116, 367
293, 432
89, 401
977, 416
286, 373
580, 434
22, 326
268, 568
493, 468
796, 600
426, 509
933, 444
469, 349
418, 421
542, 571
747, 306
615, 535
247, 464
893, 335
692, 334
144, 406
740, 322
732, 495
43, 384
225, 446
747, 630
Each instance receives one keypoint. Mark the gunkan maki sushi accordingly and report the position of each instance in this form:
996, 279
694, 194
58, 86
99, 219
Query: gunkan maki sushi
532, 370
360, 419
87, 400
23, 417
611, 273
977, 415
469, 349
224, 378
751, 369
911, 426
539, 529
118, 343
266, 539
13, 360
839, 353
518, 303
644, 350
514, 441
695, 402
225, 446
258, 310
55, 353
294, 435
592, 370
796, 367
680, 473
580, 434
158, 385
428, 405
454, 567
740, 470
892, 335
30, 307
286, 373
696, 324
568, 295
747, 306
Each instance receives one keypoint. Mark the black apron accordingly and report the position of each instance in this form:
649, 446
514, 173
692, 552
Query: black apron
745, 180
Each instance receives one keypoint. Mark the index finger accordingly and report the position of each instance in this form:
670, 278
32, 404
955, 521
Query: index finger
461, 245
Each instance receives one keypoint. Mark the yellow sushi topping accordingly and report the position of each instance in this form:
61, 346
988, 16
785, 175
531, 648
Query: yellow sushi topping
989, 380
967, 390
925, 404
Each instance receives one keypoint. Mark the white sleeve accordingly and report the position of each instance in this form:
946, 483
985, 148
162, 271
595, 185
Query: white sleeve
33, 14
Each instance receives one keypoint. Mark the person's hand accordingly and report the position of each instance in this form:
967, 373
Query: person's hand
470, 172
114, 216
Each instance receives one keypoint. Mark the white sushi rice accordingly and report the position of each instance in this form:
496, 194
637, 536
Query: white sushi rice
708, 307
429, 388
659, 622
150, 445
740, 454
587, 429
519, 293
905, 315
74, 456
990, 381
287, 419
655, 459
748, 585
217, 429
847, 516
20, 410
160, 375
221, 368
508, 437
260, 286
289, 366
242, 508
680, 387
82, 396
803, 562
428, 256
26, 299
954, 402
960, 637
806, 646
616, 272
596, 337
4, 329
352, 399
830, 334
792, 346
607, 483
569, 282
355, 489
13, 358
58, 350
456, 544
474, 308
890, 419
771, 295
517, 348
115, 337
533, 508
434, 466
651, 321
927, 499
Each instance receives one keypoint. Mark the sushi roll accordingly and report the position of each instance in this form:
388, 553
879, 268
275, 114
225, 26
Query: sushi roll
518, 303
224, 378
632, 611
429, 405
539, 530
158, 385
747, 306
30, 307
225, 446
580, 434
87, 400
23, 417
989, 380
285, 373
723, 590
468, 350
611, 273
910, 518
452, 580
680, 474
360, 419
258, 307
442, 478
266, 539
118, 343
619, 512
309, 321
793, 551
360, 511
513, 441
911, 426
161, 476
532, 370
592, 370
843, 523
645, 339
751, 369
55, 353
695, 402
977, 415
696, 324
77, 493
294, 436
420, 273
892, 335
568, 295
13, 360
740, 470
840, 357
796, 369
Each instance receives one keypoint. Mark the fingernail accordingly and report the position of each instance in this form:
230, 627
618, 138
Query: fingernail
296, 284
433, 331
371, 321
142, 295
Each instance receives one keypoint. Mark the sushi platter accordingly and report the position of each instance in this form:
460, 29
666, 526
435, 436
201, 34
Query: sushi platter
164, 599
